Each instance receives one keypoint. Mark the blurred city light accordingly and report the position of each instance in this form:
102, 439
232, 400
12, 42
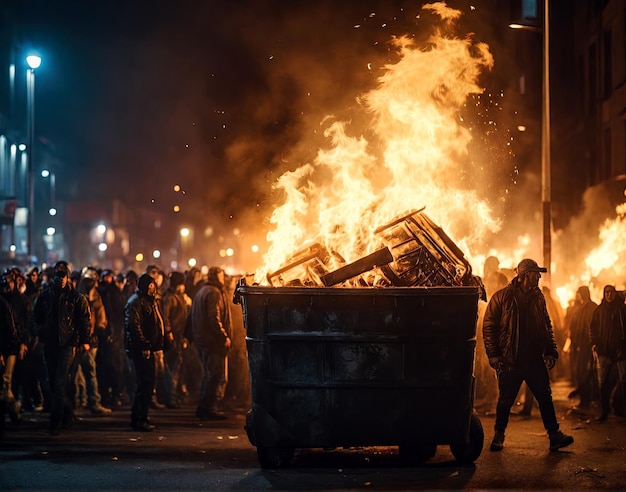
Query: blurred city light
101, 228
45, 173
139, 257
52, 211
192, 262
255, 248
184, 232
156, 253
50, 231
176, 188
176, 208
102, 247
22, 147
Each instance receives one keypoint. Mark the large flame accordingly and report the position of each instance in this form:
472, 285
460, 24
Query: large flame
604, 264
411, 159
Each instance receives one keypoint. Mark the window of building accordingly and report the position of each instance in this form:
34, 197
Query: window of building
607, 60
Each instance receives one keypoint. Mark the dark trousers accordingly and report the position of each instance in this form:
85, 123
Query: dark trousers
605, 365
145, 374
59, 362
214, 379
535, 373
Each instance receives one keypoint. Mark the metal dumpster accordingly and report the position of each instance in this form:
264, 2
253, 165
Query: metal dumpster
343, 367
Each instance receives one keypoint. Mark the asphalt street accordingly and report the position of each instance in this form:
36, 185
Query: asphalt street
184, 453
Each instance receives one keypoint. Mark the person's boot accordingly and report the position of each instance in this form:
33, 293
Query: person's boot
154, 404
142, 426
14, 407
100, 411
497, 443
559, 440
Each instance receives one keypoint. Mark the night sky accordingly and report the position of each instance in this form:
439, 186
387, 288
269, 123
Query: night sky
214, 96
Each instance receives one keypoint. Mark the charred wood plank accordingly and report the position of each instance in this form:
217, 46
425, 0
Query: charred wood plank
362, 265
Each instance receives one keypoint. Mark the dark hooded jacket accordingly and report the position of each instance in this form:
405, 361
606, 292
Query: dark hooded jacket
9, 341
143, 322
210, 314
501, 325
61, 317
607, 331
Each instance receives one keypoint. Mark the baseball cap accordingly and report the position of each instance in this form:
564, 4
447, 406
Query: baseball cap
528, 265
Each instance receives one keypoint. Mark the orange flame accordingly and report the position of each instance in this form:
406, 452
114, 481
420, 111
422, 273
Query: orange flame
411, 161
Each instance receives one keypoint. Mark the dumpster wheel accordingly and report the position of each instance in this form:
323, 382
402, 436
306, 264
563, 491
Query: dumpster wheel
468, 453
274, 457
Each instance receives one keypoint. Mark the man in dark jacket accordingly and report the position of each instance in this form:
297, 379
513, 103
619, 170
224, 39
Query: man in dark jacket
520, 346
62, 322
210, 320
144, 330
608, 340
9, 347
15, 366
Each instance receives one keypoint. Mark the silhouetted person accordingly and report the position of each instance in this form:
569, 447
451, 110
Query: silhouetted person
608, 339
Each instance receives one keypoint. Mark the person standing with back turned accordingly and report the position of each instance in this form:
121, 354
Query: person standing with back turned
210, 320
520, 346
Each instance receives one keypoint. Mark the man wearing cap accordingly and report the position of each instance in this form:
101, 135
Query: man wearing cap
520, 346
62, 322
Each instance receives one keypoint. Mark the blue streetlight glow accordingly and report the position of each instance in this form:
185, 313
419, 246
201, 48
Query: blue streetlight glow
33, 61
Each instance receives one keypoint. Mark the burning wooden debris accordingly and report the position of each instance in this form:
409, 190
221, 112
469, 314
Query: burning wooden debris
414, 251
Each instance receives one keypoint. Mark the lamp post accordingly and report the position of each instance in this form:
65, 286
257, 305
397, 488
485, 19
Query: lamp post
546, 168
33, 62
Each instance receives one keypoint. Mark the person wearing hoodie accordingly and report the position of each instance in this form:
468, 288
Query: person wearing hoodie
61, 319
85, 370
210, 321
9, 347
608, 342
144, 333
582, 362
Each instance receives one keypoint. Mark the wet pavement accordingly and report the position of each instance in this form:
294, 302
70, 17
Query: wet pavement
184, 453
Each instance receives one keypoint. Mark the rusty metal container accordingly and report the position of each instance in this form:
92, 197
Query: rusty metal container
342, 367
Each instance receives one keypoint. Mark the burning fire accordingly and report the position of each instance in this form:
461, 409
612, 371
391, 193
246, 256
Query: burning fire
409, 155
604, 264
411, 161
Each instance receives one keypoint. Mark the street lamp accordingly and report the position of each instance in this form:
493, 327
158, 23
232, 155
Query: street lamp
34, 63
546, 171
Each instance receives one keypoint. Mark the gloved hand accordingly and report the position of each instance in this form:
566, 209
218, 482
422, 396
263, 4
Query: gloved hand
550, 361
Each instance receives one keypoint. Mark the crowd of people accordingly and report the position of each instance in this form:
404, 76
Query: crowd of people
521, 334
89, 340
